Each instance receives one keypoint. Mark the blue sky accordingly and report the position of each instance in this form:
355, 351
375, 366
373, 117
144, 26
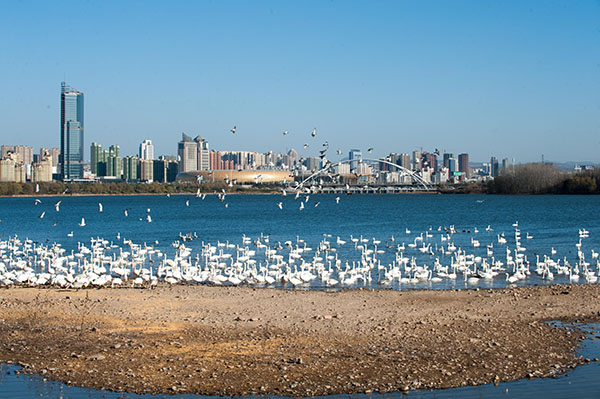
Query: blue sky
513, 79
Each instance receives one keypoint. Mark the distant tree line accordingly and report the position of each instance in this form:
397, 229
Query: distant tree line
121, 188
544, 178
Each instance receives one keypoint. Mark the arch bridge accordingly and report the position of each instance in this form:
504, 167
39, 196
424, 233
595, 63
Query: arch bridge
403, 171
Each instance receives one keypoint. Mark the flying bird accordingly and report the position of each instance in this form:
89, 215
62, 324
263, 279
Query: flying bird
125, 212
37, 188
337, 200
148, 218
305, 145
280, 205
317, 203
100, 208
42, 215
57, 206
285, 132
187, 202
314, 132
370, 150
339, 151
82, 223
37, 201
233, 130
301, 205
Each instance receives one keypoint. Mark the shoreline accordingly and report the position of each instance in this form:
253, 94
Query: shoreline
240, 341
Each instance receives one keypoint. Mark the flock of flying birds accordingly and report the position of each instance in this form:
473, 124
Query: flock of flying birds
322, 152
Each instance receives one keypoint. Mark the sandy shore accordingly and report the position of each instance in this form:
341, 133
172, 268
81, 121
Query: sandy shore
235, 341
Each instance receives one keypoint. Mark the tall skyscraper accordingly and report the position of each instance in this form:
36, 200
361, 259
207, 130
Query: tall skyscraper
147, 150
71, 133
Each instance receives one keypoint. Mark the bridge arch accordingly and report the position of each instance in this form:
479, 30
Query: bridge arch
402, 169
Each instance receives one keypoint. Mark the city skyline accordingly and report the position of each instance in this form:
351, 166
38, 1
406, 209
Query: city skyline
484, 78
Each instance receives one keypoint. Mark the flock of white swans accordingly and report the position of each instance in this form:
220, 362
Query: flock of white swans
432, 258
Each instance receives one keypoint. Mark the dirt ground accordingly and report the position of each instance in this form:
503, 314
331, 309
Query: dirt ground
237, 341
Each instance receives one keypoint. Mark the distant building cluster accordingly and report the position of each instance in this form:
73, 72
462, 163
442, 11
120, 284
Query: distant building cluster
18, 163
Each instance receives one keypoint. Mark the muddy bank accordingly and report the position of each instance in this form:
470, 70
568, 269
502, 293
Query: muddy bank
235, 341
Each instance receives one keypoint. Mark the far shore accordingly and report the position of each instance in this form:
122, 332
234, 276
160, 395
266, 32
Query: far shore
240, 340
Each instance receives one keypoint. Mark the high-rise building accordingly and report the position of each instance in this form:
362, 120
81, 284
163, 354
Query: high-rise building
146, 170
41, 171
417, 161
313, 164
165, 170
354, 156
54, 153
147, 150
447, 157
430, 160
494, 167
71, 133
452, 166
463, 165
130, 168
12, 168
187, 154
96, 156
203, 156
292, 159
113, 162
505, 165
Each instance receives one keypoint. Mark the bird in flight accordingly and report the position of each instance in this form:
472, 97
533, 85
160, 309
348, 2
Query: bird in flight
57, 206
37, 202
42, 215
280, 205
187, 202
305, 145
314, 132
125, 212
285, 132
100, 208
301, 205
233, 130
82, 223
370, 150
339, 151
337, 200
